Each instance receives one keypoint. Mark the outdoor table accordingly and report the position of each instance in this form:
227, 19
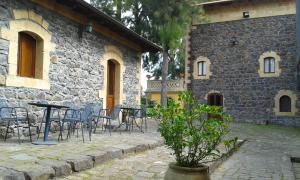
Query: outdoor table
46, 131
125, 115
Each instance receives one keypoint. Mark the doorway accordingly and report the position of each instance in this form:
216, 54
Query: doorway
215, 99
113, 84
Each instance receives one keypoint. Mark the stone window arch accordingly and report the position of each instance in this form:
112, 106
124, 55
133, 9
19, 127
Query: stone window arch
285, 103
34, 25
202, 68
269, 64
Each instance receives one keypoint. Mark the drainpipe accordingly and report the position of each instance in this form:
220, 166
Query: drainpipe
298, 40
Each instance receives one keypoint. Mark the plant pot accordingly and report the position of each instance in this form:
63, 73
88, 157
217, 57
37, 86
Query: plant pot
175, 172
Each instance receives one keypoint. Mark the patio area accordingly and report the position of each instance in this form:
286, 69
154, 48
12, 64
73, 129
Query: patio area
28, 161
263, 156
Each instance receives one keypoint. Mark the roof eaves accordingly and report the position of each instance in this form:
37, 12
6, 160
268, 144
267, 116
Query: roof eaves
148, 43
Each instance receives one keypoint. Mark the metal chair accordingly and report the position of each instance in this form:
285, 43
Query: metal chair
14, 116
72, 117
54, 117
114, 115
87, 116
138, 113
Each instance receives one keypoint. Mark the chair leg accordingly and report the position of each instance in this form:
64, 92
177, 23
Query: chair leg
39, 130
19, 138
109, 120
7, 127
82, 132
69, 129
146, 126
90, 131
97, 121
61, 125
29, 125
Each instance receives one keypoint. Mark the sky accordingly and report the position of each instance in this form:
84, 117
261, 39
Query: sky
143, 74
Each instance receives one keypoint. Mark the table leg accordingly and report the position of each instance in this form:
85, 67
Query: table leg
47, 128
46, 132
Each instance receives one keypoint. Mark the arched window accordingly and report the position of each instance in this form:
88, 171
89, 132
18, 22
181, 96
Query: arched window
285, 104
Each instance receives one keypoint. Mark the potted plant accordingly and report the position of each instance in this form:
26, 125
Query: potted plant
192, 135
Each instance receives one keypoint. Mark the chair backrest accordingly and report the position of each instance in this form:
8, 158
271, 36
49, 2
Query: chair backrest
6, 112
88, 112
3, 103
97, 108
115, 112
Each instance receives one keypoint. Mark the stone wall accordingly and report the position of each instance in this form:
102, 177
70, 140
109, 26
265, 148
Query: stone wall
247, 97
75, 74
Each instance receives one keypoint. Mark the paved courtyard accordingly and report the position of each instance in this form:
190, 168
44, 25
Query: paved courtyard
43, 162
264, 156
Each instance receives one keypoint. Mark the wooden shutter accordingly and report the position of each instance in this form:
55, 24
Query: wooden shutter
27, 53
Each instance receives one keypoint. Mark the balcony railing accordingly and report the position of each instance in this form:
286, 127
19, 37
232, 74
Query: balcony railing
172, 85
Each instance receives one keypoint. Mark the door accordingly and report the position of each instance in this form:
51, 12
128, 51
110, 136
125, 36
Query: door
27, 48
110, 102
215, 99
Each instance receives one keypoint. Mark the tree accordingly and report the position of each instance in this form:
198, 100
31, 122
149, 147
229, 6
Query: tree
113, 8
163, 21
172, 19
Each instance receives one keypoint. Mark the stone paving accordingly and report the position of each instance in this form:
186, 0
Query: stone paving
264, 156
43, 162
296, 168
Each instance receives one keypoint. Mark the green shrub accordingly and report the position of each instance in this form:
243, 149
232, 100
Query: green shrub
192, 132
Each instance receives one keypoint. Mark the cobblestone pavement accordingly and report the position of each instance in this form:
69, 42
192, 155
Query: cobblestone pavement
42, 162
265, 156
147, 165
296, 167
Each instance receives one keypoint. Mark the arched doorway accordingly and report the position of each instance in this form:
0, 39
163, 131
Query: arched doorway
215, 99
113, 84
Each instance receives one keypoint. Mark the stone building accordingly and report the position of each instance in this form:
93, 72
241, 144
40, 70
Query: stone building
67, 51
244, 58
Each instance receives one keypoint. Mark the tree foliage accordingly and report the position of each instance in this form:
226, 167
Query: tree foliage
160, 21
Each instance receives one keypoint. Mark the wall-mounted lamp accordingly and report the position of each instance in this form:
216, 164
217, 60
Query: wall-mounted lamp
85, 28
246, 14
233, 41
89, 27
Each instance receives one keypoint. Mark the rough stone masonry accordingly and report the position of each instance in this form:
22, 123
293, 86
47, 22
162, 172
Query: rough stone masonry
75, 74
247, 96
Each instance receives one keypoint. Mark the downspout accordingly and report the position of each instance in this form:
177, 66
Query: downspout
298, 41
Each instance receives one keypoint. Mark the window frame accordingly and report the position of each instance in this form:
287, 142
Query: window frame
271, 65
202, 71
293, 99
207, 69
290, 104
